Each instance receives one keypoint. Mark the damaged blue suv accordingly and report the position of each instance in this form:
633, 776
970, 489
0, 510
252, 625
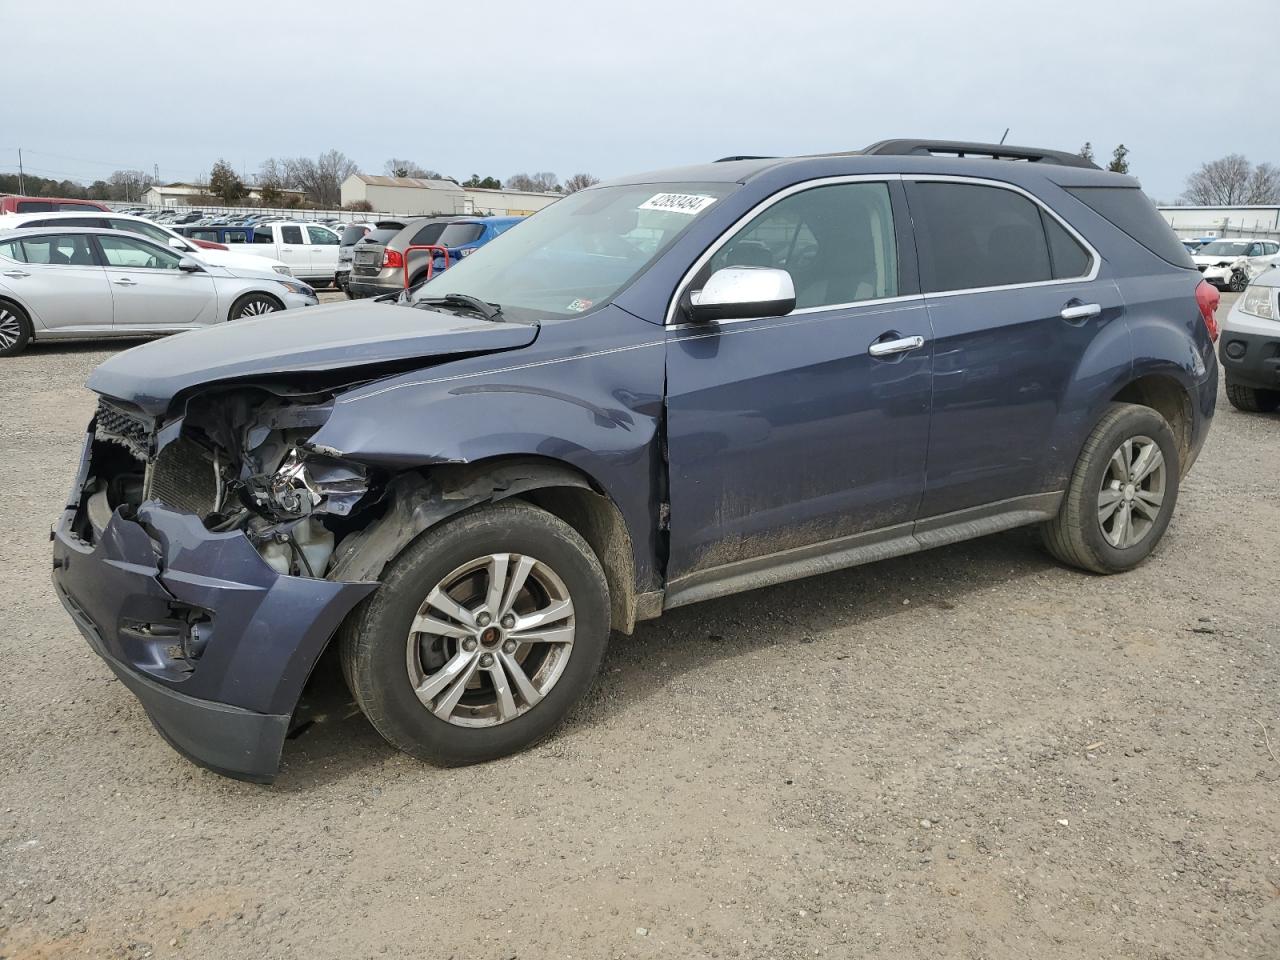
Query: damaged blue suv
659, 390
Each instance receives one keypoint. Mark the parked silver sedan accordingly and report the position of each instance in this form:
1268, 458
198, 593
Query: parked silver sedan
85, 283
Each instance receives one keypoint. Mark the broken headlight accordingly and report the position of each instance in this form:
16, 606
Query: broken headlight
306, 483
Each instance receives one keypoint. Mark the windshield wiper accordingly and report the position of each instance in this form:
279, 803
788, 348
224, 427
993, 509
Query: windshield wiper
490, 311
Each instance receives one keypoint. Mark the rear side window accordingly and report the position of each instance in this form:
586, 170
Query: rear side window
290, 234
263, 235
69, 250
35, 206
69, 222
428, 234
351, 234
1129, 209
459, 234
972, 236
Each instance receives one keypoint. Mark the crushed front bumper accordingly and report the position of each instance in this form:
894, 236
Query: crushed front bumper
215, 644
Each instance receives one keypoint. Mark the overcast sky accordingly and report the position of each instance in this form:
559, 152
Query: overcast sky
612, 88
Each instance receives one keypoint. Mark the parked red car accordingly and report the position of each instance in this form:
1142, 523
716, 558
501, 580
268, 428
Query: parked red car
14, 204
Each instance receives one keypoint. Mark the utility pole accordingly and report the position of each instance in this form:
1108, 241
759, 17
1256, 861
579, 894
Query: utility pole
22, 183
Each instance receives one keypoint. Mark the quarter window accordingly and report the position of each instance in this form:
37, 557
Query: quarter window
1068, 257
837, 242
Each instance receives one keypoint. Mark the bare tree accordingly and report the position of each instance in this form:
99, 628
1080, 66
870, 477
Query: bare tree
544, 182
1231, 181
580, 181
128, 184
321, 178
396, 167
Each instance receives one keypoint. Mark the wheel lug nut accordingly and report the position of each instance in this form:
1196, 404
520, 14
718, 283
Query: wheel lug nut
486, 660
469, 644
484, 619
509, 647
508, 621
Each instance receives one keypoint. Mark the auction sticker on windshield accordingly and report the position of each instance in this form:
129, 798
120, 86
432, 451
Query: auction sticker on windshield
690, 203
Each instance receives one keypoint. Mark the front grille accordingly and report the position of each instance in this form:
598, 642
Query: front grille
182, 477
116, 425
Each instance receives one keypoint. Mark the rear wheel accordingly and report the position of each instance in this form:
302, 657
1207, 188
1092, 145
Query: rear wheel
1121, 494
1251, 399
15, 330
484, 634
255, 305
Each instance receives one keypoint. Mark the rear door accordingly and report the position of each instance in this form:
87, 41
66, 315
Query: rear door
1014, 307
293, 248
59, 279
322, 244
148, 289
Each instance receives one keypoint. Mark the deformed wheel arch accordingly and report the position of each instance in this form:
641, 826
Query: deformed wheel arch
420, 500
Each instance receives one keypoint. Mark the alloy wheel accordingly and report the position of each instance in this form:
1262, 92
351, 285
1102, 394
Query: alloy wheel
490, 640
257, 307
1132, 492
10, 328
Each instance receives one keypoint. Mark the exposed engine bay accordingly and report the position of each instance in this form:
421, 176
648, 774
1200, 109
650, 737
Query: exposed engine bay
239, 459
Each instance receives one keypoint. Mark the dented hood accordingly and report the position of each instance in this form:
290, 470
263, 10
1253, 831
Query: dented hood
340, 336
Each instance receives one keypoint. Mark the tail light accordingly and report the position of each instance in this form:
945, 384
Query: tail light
1207, 299
393, 258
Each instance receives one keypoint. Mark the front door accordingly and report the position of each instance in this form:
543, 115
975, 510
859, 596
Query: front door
1014, 309
323, 251
59, 279
149, 290
785, 432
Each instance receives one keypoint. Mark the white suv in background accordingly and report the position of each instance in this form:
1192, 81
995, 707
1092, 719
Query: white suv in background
231, 259
310, 249
1231, 263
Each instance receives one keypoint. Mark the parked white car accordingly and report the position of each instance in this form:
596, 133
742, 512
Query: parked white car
1230, 264
82, 283
231, 259
310, 249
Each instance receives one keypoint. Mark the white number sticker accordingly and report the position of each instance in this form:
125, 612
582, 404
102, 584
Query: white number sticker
690, 203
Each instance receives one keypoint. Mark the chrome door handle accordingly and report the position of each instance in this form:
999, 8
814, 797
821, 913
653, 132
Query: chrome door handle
1082, 311
886, 348
125, 282
16, 274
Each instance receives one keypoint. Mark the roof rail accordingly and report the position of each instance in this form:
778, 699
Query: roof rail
988, 151
743, 157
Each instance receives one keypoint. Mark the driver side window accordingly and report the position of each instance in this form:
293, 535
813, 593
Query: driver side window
121, 251
837, 242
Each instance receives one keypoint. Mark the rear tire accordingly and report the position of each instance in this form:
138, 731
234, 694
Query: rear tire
1251, 399
1113, 514
255, 305
15, 329
403, 673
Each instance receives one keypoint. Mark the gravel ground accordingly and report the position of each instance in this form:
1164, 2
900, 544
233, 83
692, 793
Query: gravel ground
967, 753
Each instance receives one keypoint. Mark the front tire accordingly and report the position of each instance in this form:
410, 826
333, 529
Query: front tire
15, 330
254, 305
1239, 280
484, 634
1251, 399
1121, 494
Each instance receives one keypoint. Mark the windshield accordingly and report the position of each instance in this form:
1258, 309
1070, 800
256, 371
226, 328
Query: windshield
1224, 248
579, 252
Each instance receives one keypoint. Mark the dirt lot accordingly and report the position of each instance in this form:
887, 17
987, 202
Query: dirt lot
968, 753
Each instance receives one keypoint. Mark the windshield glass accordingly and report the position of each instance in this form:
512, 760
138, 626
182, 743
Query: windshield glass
1224, 248
579, 252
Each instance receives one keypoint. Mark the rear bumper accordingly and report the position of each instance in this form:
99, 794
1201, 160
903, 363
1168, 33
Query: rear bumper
1251, 359
214, 643
360, 286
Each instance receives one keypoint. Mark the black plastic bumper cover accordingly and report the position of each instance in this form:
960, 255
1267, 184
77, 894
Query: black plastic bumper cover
228, 708
1251, 359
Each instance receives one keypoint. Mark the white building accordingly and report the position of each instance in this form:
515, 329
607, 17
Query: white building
416, 196
189, 194
1247, 221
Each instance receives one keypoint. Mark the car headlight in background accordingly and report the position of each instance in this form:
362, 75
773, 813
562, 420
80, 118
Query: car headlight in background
1257, 303
293, 286
283, 270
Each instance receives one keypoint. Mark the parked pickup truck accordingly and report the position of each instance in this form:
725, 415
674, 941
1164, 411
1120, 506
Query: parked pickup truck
310, 250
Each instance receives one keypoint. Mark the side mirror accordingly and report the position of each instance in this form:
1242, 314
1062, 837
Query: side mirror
187, 265
743, 293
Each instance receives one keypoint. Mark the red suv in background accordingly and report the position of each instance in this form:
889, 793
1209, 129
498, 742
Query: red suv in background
13, 204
